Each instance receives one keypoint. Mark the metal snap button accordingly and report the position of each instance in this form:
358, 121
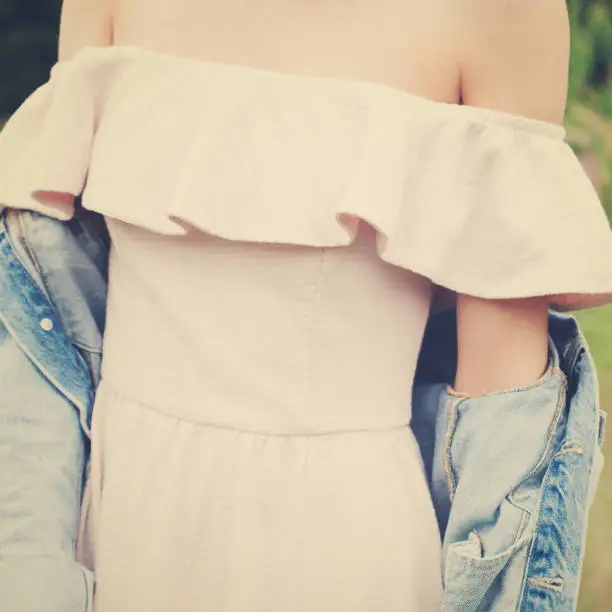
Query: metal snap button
46, 324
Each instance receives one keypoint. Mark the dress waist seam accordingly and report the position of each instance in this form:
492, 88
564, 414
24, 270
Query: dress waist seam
304, 432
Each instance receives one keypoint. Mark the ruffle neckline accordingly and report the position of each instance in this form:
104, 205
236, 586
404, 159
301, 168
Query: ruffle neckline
479, 201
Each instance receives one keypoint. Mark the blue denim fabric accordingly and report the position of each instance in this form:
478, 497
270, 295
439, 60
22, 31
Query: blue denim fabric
512, 474
569, 484
49, 366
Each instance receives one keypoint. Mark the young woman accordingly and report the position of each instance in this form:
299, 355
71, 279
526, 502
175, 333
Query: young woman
285, 185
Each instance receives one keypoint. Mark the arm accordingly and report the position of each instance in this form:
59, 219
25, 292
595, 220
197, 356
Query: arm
84, 23
514, 58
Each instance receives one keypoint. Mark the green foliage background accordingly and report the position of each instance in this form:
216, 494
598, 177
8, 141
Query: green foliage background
591, 60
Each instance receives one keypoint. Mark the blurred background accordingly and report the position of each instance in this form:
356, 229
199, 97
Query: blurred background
28, 43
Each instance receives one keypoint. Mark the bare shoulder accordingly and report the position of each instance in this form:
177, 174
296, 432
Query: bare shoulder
514, 56
85, 23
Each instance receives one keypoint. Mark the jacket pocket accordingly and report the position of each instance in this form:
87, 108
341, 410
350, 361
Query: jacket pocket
489, 577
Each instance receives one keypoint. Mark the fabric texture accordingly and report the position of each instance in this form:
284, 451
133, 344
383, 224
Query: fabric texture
43, 452
254, 453
477, 200
308, 218
38, 573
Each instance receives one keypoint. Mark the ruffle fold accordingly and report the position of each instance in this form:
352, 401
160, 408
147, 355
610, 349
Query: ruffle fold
481, 202
45, 146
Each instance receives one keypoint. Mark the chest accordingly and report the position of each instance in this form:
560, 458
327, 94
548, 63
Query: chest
401, 43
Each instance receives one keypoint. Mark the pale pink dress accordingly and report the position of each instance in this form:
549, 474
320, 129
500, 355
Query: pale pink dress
275, 243
251, 441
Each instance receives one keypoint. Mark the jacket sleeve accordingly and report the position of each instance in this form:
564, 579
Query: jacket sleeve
486, 459
42, 458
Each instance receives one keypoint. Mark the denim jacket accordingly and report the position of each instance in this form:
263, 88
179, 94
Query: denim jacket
512, 474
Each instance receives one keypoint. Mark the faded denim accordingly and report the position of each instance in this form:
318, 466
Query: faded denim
52, 302
512, 474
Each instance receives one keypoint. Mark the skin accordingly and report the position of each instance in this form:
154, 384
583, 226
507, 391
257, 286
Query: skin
503, 344
508, 55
